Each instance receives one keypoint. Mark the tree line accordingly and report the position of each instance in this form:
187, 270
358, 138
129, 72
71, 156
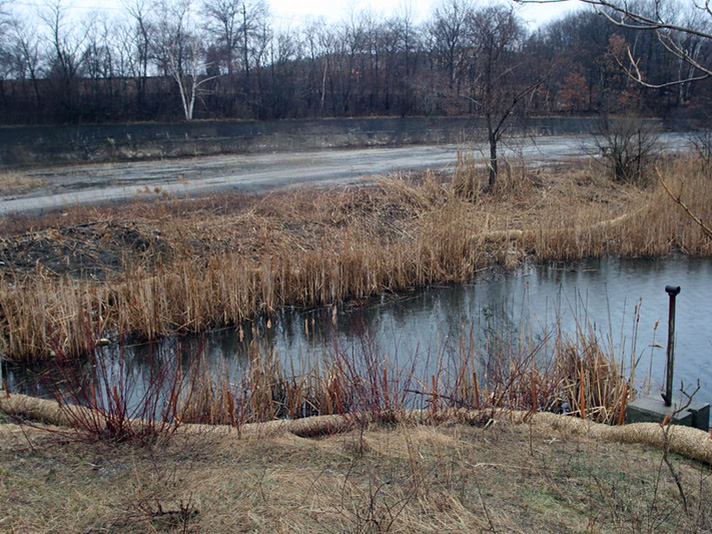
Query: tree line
180, 60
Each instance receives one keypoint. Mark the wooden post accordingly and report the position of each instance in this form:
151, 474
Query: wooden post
673, 291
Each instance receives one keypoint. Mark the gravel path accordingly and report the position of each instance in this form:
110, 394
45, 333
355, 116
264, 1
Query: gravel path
92, 184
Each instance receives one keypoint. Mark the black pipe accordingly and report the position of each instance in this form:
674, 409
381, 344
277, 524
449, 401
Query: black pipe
673, 291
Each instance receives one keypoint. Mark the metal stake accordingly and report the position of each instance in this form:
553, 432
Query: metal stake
673, 291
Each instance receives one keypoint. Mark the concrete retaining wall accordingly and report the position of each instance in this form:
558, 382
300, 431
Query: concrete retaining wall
47, 145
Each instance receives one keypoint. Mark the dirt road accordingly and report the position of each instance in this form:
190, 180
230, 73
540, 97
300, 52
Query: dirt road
60, 187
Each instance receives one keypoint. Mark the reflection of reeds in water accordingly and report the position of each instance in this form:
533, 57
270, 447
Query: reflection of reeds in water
572, 373
128, 396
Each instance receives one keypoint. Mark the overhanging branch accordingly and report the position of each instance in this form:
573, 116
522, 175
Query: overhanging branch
678, 200
622, 15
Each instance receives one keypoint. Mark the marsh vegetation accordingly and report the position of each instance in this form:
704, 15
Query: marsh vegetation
154, 268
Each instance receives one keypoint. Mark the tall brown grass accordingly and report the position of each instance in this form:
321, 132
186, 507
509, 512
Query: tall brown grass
306, 249
108, 397
566, 373
14, 182
650, 225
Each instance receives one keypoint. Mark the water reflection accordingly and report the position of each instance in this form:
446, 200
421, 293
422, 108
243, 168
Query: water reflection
622, 300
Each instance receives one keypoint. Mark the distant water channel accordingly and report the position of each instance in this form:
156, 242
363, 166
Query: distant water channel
622, 300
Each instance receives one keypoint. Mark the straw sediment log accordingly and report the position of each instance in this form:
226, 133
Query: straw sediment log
686, 441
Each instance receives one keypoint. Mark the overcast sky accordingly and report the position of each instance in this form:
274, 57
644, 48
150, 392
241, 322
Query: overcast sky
294, 12
334, 10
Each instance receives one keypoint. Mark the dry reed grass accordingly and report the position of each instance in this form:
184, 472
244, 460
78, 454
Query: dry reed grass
573, 374
15, 182
199, 264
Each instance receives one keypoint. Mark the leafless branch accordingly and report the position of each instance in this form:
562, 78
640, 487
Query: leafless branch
635, 73
676, 198
622, 15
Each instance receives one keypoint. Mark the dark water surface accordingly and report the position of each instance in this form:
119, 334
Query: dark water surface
622, 300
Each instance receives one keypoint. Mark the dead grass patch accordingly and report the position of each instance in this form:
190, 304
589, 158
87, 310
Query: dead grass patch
16, 182
456, 478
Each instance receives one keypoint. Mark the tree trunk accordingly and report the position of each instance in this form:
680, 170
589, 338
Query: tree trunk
492, 136
492, 166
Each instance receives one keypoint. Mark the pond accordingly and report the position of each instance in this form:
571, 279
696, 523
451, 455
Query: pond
623, 301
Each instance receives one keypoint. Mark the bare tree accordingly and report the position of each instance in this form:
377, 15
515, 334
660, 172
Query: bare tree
63, 53
450, 37
103, 66
97, 57
5, 58
23, 52
481, 53
404, 50
338, 53
239, 31
499, 86
317, 66
182, 53
64, 44
4, 22
144, 35
681, 39
224, 24
262, 44
5, 16
628, 147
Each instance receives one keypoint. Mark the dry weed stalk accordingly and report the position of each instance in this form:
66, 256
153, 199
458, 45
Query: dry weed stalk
563, 374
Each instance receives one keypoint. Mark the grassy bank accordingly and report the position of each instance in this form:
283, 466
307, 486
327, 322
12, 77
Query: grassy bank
405, 478
159, 266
